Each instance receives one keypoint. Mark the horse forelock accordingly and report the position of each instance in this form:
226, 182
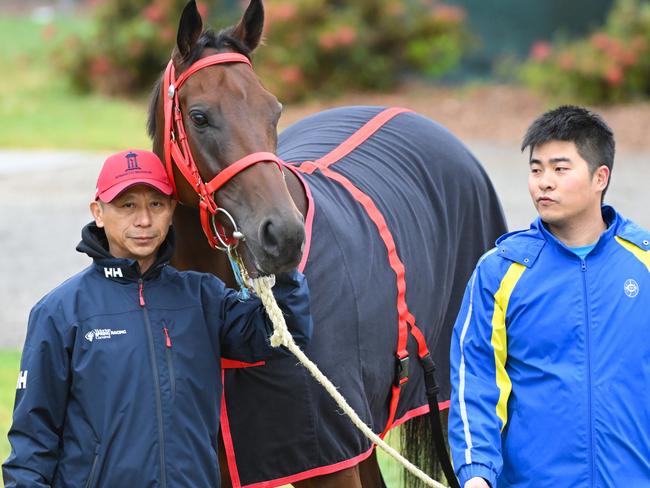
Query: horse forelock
209, 40
219, 41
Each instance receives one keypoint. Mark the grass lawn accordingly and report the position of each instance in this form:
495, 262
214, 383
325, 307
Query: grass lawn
39, 108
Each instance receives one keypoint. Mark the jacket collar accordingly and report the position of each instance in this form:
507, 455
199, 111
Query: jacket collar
94, 244
525, 246
631, 232
611, 218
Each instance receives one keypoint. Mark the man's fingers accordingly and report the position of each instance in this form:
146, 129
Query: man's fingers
477, 483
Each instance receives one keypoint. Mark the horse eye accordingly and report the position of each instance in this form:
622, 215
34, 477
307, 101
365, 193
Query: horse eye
198, 118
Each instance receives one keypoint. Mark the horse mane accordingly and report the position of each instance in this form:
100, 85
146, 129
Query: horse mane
220, 41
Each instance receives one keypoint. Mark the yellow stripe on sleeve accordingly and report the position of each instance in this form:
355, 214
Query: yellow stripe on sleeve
500, 339
640, 254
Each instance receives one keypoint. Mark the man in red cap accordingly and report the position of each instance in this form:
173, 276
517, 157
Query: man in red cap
130, 181
120, 381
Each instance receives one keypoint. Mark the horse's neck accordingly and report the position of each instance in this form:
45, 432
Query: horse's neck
192, 249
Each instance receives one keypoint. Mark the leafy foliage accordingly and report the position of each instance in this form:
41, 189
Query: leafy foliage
131, 45
313, 46
324, 47
611, 65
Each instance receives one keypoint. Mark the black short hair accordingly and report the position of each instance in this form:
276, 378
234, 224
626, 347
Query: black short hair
593, 138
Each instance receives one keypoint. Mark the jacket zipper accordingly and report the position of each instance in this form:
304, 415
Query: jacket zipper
156, 382
170, 362
589, 399
140, 295
91, 477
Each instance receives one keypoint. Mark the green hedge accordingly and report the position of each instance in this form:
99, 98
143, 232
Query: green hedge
312, 46
611, 65
130, 46
325, 47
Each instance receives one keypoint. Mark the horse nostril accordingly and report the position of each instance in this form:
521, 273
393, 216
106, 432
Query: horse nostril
281, 240
269, 238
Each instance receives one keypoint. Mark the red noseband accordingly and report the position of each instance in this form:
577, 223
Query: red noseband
177, 149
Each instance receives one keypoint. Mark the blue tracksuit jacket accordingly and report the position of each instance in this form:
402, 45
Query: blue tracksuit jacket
551, 363
120, 381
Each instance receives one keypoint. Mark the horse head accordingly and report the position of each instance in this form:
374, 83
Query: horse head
211, 112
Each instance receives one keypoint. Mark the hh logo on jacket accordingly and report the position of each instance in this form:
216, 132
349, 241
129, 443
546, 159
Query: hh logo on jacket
113, 272
21, 384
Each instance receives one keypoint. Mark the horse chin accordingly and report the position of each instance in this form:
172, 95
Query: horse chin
254, 266
257, 264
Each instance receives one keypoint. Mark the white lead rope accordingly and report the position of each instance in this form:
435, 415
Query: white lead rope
282, 336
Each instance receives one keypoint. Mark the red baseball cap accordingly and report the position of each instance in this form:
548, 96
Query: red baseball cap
128, 168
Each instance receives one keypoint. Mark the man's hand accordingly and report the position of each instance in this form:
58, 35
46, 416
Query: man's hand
477, 483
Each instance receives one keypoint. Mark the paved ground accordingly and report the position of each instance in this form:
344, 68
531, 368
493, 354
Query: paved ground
44, 203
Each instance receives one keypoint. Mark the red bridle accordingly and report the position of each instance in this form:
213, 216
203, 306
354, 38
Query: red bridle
177, 150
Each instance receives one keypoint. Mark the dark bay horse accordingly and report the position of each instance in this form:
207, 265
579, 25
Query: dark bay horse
385, 212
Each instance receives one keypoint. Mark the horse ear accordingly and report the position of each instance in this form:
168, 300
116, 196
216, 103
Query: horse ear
189, 29
249, 29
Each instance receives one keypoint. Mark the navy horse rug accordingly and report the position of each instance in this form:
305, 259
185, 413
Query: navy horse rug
399, 213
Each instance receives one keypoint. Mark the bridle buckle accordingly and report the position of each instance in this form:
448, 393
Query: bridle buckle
236, 233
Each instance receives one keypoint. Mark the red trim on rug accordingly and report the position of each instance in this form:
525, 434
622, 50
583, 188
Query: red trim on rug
227, 437
396, 265
331, 468
411, 414
419, 337
309, 218
311, 473
392, 408
416, 412
232, 363
354, 141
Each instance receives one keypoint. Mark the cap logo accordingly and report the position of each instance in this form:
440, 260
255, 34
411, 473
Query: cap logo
131, 161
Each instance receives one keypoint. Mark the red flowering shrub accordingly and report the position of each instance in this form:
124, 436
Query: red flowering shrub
312, 46
611, 65
324, 47
131, 44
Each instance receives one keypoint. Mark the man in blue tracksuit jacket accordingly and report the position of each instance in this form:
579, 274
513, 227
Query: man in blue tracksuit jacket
120, 381
551, 349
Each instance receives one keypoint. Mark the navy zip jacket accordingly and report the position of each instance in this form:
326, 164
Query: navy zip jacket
120, 381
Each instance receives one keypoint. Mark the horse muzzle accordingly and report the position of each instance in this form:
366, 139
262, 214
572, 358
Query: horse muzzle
277, 243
